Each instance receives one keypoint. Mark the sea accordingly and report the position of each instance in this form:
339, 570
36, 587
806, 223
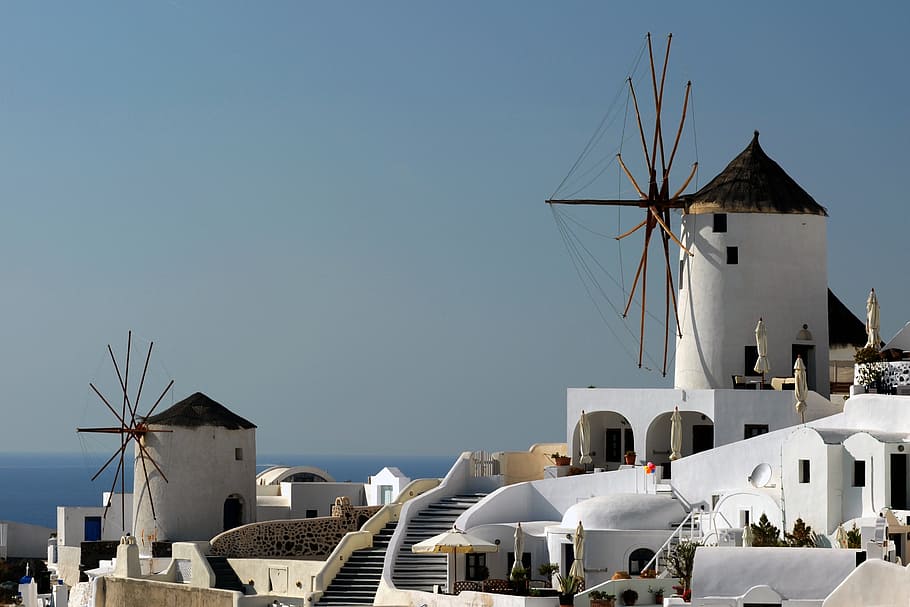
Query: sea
33, 485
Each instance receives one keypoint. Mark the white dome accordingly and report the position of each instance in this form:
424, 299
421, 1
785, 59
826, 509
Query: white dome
624, 511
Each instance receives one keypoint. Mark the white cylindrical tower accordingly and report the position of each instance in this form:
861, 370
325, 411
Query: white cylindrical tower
760, 251
208, 455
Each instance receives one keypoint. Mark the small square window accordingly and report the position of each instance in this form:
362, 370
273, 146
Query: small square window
859, 473
311, 514
732, 255
720, 222
238, 454
750, 430
803, 471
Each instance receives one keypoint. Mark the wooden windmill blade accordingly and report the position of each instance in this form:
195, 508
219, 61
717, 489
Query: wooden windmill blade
132, 427
656, 201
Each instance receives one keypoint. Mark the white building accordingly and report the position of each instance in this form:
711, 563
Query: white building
384, 486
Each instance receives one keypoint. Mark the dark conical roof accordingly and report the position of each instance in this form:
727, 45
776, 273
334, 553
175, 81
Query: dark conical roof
753, 183
200, 410
844, 327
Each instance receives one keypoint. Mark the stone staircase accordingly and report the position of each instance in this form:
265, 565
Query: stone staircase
225, 576
423, 571
357, 581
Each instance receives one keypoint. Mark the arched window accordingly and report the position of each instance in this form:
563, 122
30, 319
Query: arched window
638, 559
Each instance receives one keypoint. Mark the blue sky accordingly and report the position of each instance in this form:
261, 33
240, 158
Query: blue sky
330, 218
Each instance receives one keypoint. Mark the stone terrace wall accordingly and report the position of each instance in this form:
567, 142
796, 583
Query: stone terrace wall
311, 538
116, 592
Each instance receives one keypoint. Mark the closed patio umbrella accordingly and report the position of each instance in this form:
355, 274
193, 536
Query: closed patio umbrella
453, 542
675, 434
519, 548
584, 434
840, 537
747, 536
578, 544
872, 321
801, 390
762, 365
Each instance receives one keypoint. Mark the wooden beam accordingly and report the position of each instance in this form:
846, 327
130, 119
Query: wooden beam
643, 204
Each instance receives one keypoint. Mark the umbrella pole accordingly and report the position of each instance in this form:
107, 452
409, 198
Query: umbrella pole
454, 569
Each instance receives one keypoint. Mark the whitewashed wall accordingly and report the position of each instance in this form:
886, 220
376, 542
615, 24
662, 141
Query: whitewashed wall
781, 276
202, 472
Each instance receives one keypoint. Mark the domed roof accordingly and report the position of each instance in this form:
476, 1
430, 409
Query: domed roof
624, 511
753, 183
200, 410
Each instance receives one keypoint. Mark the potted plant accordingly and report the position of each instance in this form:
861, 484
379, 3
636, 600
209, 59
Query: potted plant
602, 599
629, 458
621, 575
658, 594
547, 570
680, 563
519, 578
560, 459
568, 586
629, 596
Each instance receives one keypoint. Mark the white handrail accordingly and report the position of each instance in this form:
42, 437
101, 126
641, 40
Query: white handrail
690, 519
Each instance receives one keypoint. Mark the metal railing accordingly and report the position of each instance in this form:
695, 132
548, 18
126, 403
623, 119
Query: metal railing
693, 521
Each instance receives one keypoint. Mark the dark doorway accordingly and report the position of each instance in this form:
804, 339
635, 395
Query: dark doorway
568, 557
233, 512
613, 450
808, 354
702, 437
899, 481
629, 439
751, 357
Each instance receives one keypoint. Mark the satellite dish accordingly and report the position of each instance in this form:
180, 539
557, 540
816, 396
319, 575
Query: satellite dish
760, 476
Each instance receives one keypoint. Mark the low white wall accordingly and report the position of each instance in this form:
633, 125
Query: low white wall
874, 582
794, 573
297, 573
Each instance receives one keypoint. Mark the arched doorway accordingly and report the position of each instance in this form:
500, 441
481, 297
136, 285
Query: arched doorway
233, 512
697, 436
611, 437
639, 558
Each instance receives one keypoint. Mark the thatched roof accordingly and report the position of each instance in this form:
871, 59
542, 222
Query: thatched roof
844, 328
753, 183
199, 410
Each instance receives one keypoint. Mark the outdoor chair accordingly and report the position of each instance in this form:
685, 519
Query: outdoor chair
467, 585
497, 585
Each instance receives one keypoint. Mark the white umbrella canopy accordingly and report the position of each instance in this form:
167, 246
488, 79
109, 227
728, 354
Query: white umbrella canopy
519, 548
801, 390
453, 542
584, 434
762, 365
578, 545
872, 321
675, 434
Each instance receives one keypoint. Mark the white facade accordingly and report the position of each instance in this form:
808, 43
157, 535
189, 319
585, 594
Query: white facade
780, 276
23, 540
74, 521
304, 500
384, 486
209, 470
640, 418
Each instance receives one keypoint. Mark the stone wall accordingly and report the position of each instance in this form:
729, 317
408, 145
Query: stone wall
117, 592
311, 538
